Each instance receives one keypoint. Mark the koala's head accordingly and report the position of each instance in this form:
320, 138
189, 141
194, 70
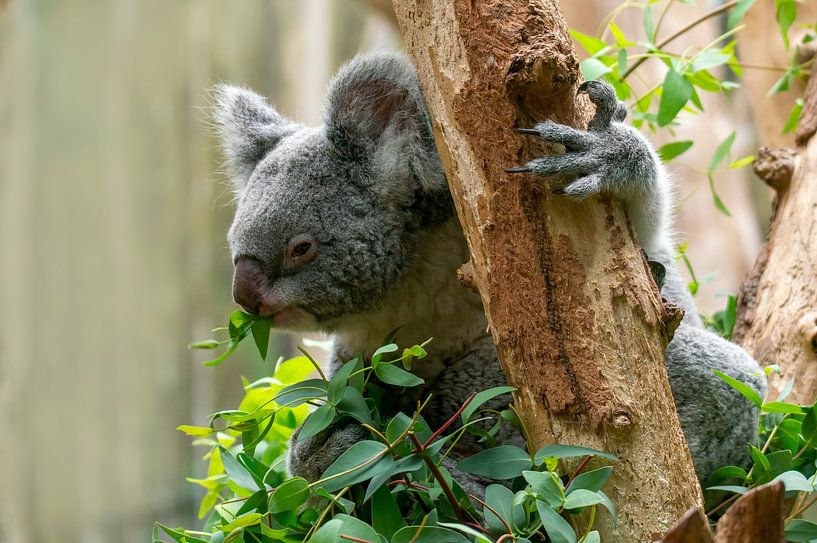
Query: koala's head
328, 217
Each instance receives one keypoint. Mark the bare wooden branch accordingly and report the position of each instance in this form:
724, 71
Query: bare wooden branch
777, 303
577, 321
691, 528
757, 517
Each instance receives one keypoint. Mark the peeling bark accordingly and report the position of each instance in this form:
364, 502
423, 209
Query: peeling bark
577, 321
777, 305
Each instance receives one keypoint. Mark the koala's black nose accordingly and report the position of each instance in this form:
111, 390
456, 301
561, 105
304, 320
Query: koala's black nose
249, 284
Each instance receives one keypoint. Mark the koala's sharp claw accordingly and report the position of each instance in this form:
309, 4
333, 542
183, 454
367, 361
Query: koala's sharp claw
583, 88
559, 191
530, 131
521, 169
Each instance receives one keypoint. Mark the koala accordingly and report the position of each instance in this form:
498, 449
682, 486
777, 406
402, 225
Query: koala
349, 228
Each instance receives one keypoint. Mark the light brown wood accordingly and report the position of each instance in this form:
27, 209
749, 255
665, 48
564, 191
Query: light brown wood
757, 517
691, 528
577, 321
777, 306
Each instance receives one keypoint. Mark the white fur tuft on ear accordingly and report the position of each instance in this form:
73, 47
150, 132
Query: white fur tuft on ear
248, 128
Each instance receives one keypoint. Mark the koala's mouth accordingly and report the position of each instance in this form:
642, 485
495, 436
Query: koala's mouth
293, 318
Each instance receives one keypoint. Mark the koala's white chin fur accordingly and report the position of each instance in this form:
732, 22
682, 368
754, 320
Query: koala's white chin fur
429, 302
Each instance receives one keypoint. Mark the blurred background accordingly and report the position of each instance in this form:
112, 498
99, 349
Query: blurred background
113, 214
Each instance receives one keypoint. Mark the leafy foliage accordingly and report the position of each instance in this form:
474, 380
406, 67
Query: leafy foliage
714, 68
788, 433
392, 486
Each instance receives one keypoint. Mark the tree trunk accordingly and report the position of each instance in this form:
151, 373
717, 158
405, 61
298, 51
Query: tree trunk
577, 321
777, 306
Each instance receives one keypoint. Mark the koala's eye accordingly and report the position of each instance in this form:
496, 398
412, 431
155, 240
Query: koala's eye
301, 249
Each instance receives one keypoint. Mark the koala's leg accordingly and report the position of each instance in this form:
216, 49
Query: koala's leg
478, 370
309, 458
718, 422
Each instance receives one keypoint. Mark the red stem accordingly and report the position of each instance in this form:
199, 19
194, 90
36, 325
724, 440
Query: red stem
449, 422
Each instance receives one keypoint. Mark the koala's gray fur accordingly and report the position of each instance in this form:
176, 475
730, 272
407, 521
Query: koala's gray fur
368, 187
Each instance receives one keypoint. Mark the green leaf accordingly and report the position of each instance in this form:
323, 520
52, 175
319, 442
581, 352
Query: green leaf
591, 44
353, 404
370, 453
318, 420
244, 520
721, 152
355, 528
557, 528
786, 13
794, 117
260, 335
177, 535
590, 480
388, 519
547, 486
799, 530
743, 388
428, 534
208, 343
762, 470
782, 407
794, 480
741, 162
724, 474
339, 381
328, 533
500, 499
407, 464
608, 504
310, 389
674, 149
568, 451
502, 462
737, 14
581, 498
592, 537
707, 59
675, 94
618, 34
236, 472
289, 495
649, 26
481, 397
392, 375
378, 354
592, 68
734, 489
195, 431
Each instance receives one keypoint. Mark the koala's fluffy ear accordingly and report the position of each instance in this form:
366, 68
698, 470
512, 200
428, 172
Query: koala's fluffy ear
248, 128
376, 111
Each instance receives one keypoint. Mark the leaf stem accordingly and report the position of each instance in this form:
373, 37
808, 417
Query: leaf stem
313, 362
708, 15
435, 470
450, 421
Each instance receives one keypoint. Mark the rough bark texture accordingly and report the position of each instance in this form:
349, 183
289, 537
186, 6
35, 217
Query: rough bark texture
777, 305
757, 517
577, 321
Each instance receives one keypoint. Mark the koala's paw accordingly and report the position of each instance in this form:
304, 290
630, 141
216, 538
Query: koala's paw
608, 157
309, 458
